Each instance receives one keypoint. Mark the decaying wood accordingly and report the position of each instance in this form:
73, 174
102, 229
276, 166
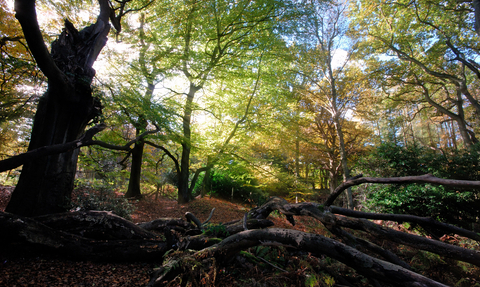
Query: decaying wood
423, 221
331, 221
316, 244
103, 236
18, 232
162, 224
420, 242
99, 235
361, 244
101, 225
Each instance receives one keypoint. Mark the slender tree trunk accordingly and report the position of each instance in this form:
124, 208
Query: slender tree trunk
206, 183
335, 112
453, 135
332, 175
343, 156
462, 126
341, 141
134, 190
323, 179
183, 181
297, 157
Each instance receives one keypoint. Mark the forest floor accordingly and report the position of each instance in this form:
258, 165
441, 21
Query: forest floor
35, 270
297, 270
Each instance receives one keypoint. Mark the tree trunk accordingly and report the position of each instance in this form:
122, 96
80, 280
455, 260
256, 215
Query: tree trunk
45, 184
141, 124
343, 156
183, 180
63, 112
207, 180
134, 190
453, 135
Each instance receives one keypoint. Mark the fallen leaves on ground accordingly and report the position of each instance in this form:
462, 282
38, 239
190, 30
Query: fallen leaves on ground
58, 272
150, 209
25, 270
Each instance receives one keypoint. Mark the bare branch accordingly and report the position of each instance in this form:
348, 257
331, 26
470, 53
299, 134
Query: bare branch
168, 153
18, 160
423, 221
426, 178
85, 140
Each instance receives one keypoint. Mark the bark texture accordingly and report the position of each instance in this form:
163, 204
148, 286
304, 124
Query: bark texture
63, 112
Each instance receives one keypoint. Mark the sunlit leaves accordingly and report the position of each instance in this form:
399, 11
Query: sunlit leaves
20, 84
423, 53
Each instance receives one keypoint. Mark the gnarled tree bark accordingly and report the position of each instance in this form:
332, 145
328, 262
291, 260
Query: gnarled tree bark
63, 112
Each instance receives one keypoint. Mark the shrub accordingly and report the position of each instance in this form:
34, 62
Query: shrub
458, 206
100, 197
222, 184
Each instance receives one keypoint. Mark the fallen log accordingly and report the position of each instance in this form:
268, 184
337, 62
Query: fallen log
219, 254
331, 221
95, 225
18, 232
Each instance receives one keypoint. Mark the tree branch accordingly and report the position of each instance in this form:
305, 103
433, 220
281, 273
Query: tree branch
316, 244
18, 160
423, 221
426, 178
168, 153
85, 140
331, 221
27, 16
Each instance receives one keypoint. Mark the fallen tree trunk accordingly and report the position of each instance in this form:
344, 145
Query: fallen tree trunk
316, 244
18, 232
100, 225
423, 221
201, 249
103, 236
331, 221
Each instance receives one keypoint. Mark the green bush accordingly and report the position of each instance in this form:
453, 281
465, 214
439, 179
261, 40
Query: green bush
244, 189
458, 206
101, 197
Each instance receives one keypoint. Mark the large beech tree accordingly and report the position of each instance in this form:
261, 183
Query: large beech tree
63, 112
429, 56
328, 86
209, 40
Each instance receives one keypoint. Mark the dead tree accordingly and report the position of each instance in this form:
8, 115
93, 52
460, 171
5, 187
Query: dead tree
103, 236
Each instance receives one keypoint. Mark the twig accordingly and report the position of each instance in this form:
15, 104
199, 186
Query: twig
209, 217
